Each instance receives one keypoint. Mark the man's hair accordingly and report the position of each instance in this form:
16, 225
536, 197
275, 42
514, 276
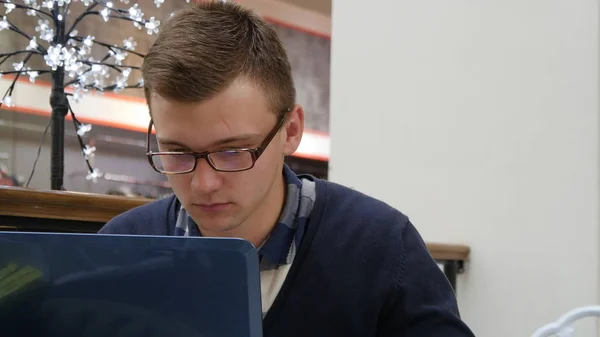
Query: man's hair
203, 48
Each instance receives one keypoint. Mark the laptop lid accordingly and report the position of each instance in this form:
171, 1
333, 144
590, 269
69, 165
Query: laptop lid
83, 285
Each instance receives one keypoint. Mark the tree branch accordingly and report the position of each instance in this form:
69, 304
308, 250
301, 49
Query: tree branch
10, 89
20, 32
27, 7
109, 46
114, 66
87, 12
122, 13
76, 123
20, 52
8, 55
76, 80
110, 87
24, 72
66, 10
120, 17
118, 10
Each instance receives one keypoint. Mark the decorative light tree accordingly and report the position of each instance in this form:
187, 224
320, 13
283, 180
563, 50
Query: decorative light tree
68, 59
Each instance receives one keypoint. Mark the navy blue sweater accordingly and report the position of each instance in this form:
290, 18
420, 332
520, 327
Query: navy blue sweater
361, 270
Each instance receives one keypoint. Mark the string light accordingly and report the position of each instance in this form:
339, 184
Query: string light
72, 52
94, 175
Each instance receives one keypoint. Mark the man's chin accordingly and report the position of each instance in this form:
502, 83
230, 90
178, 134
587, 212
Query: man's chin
218, 229
215, 224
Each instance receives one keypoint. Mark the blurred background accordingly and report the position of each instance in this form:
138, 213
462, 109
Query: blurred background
119, 121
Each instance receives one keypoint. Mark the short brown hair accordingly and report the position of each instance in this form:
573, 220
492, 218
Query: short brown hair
206, 46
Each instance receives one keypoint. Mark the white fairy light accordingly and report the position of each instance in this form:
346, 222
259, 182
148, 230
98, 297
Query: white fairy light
32, 75
18, 66
8, 101
46, 33
118, 55
83, 129
4, 24
48, 4
9, 7
78, 93
135, 13
89, 41
88, 151
75, 69
53, 58
96, 68
94, 175
32, 44
129, 44
105, 14
152, 26
34, 7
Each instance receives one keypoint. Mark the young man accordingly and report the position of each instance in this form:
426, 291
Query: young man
334, 262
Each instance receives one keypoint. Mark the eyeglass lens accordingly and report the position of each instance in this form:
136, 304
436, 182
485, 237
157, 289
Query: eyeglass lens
223, 161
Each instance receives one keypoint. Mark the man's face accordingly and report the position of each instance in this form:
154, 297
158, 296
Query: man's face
239, 117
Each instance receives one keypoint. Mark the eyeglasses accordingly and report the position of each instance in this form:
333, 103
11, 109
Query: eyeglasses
234, 160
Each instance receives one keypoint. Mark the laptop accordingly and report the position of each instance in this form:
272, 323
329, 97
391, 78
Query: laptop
84, 285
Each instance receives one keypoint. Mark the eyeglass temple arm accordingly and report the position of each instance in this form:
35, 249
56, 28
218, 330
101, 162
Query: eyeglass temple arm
272, 134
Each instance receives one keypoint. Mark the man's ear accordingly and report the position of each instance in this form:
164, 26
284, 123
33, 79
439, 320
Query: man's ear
294, 128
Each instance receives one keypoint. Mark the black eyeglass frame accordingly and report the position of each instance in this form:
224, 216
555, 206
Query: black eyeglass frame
255, 153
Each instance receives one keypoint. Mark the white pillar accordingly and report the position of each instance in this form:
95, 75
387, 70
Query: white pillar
479, 120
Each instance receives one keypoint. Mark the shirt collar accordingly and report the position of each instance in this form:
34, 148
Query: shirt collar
276, 248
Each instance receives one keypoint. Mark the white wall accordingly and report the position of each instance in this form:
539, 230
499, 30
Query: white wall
479, 119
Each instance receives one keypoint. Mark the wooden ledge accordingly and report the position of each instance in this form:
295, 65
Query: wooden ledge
446, 251
61, 205
87, 207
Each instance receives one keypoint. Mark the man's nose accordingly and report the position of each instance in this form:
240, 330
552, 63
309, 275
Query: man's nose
205, 179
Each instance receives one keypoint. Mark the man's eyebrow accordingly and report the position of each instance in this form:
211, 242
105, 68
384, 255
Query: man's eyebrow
220, 142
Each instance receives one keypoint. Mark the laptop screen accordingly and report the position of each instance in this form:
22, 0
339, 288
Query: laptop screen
79, 285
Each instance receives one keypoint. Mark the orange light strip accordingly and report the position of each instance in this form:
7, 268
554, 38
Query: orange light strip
127, 113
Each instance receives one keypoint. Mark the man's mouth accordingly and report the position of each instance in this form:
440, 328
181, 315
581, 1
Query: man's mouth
213, 207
